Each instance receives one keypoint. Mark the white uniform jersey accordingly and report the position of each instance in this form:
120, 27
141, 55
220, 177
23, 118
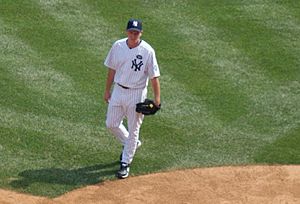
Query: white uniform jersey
134, 66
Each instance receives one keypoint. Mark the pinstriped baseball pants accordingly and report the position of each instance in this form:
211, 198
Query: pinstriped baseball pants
122, 105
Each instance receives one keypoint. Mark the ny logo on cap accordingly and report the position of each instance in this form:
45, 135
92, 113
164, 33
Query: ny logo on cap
135, 23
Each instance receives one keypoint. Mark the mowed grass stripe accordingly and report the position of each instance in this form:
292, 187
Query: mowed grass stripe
26, 65
79, 134
31, 70
285, 26
271, 97
293, 7
46, 118
200, 139
83, 75
192, 41
284, 22
47, 86
85, 23
55, 42
260, 42
284, 150
235, 66
13, 90
189, 121
278, 104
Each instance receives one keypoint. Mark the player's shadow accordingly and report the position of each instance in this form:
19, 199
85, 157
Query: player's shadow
71, 177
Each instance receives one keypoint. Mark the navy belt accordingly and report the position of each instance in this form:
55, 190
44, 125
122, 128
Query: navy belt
124, 87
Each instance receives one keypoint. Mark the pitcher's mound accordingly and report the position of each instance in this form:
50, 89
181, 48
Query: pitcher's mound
248, 184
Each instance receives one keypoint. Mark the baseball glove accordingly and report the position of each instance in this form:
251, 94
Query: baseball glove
147, 107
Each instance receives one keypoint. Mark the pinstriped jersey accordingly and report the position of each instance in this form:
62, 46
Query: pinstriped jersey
134, 66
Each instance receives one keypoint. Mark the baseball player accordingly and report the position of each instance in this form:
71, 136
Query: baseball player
131, 63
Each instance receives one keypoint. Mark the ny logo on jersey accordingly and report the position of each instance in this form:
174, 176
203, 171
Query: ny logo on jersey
136, 66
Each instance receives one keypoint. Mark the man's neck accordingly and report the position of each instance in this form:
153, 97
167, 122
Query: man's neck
133, 44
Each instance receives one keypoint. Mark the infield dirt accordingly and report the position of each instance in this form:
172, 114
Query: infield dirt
246, 184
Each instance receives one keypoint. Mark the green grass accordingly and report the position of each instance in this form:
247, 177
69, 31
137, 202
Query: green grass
284, 150
230, 88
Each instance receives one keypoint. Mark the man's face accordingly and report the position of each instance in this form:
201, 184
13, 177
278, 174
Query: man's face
134, 35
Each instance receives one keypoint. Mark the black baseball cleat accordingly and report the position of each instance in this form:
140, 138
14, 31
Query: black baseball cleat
124, 171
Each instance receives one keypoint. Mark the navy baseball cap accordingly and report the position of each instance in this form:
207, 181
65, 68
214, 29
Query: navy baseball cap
134, 24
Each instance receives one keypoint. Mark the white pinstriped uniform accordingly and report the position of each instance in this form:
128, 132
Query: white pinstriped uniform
134, 67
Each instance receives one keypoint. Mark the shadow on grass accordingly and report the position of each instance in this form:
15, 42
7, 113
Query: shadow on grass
65, 177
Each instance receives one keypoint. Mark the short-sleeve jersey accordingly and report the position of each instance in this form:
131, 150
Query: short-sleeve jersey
134, 66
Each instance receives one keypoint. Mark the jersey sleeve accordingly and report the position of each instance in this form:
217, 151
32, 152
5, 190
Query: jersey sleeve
110, 60
153, 69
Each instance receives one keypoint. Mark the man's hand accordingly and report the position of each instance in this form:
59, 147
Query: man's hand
107, 96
